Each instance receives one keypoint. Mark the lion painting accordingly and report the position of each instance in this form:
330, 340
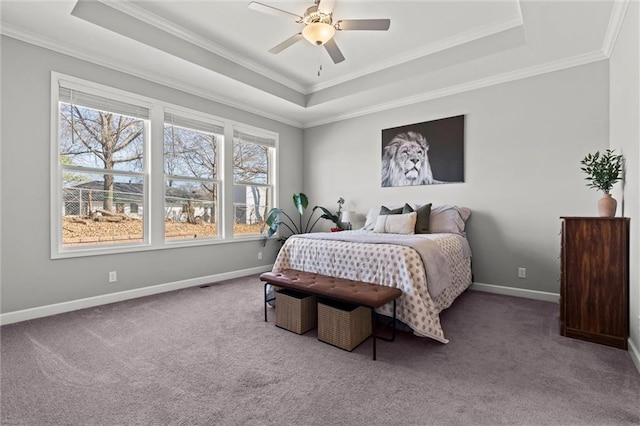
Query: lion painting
405, 161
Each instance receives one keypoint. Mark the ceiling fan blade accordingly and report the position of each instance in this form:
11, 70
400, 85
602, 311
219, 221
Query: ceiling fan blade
326, 6
363, 24
273, 10
288, 42
334, 51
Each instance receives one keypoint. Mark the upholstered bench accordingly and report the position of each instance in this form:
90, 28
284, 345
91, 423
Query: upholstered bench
340, 289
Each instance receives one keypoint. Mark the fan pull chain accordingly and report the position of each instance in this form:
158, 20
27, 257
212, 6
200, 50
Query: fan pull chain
319, 63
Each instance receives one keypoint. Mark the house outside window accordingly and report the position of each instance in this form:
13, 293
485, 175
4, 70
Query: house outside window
115, 152
102, 165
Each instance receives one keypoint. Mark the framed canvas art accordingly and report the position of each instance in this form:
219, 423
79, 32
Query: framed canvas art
427, 153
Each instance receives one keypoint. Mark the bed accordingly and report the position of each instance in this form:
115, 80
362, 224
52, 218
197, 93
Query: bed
431, 269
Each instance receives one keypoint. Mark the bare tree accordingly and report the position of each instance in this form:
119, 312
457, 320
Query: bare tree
191, 153
251, 165
106, 138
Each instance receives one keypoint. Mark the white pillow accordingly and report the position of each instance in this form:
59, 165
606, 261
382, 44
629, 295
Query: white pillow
443, 218
372, 217
448, 219
396, 223
374, 212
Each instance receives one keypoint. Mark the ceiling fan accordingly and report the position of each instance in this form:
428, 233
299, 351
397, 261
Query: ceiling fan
319, 27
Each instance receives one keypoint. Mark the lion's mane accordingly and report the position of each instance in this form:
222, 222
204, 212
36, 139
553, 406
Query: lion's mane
405, 161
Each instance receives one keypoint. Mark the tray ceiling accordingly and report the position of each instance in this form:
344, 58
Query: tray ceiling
218, 49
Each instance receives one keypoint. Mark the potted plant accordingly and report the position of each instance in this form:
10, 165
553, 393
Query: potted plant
278, 217
603, 171
335, 218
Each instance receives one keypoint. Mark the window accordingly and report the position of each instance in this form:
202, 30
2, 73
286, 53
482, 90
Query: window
191, 177
253, 166
101, 156
132, 173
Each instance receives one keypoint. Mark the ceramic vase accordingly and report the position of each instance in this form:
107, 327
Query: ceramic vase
607, 206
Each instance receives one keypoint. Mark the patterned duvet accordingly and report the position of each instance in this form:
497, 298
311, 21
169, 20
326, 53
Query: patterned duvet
394, 261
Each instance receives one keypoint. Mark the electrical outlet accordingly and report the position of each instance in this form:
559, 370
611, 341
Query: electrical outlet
113, 276
522, 272
259, 255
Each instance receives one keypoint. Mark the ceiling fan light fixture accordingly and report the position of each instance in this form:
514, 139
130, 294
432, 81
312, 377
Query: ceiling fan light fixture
318, 33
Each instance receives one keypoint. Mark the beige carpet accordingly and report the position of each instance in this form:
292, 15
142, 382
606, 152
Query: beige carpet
204, 356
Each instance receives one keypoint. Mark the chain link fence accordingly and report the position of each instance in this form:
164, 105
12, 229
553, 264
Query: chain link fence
85, 201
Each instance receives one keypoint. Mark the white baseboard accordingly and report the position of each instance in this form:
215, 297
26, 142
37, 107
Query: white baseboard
635, 354
89, 302
517, 292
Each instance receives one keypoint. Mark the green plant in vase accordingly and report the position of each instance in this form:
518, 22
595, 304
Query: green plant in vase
603, 171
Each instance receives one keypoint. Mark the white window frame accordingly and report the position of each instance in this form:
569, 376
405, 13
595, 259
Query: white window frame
57, 248
218, 181
153, 214
271, 172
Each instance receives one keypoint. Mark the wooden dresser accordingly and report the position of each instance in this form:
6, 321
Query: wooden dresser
594, 282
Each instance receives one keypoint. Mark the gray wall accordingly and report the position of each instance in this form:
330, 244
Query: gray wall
524, 141
523, 144
625, 137
29, 277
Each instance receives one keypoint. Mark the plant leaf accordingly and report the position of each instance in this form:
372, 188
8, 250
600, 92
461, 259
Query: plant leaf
272, 229
272, 217
300, 201
603, 170
328, 215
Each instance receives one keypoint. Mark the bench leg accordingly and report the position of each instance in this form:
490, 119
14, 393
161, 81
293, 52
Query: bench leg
373, 329
266, 301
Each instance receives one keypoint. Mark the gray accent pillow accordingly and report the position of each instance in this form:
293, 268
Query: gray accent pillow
385, 210
422, 222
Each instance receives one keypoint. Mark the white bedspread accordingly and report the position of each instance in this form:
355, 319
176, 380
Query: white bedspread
430, 269
427, 246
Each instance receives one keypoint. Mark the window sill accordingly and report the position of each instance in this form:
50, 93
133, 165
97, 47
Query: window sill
168, 245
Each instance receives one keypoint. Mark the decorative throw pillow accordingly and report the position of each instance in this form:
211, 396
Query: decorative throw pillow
372, 216
422, 222
449, 219
396, 223
374, 212
386, 211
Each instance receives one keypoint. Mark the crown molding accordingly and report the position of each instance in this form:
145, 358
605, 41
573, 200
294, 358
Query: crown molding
47, 43
506, 77
125, 6
116, 65
430, 49
616, 19
135, 11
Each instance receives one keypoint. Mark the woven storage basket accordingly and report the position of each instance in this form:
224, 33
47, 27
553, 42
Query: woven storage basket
343, 325
296, 311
